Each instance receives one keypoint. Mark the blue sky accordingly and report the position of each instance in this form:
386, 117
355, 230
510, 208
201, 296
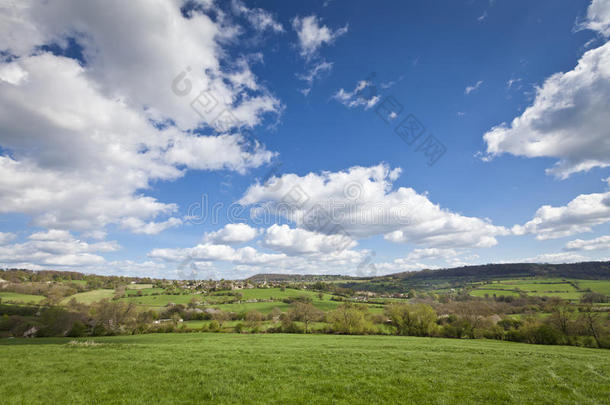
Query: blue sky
110, 138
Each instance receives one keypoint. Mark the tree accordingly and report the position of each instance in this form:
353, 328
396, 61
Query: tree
193, 303
349, 319
412, 319
253, 317
590, 320
114, 317
561, 318
306, 312
221, 316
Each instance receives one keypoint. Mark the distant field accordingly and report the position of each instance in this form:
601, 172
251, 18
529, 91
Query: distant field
138, 286
480, 292
145, 291
598, 286
551, 287
21, 298
162, 299
277, 293
89, 297
280, 369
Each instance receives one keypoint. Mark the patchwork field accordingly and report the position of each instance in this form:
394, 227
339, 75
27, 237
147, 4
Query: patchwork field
233, 368
549, 287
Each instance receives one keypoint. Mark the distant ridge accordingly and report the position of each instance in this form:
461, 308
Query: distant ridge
586, 270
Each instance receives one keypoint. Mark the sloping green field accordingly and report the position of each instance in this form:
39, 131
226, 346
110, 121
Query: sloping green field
598, 286
90, 297
280, 369
21, 298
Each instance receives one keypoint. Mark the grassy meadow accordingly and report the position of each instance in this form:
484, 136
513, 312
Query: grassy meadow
21, 298
276, 368
90, 297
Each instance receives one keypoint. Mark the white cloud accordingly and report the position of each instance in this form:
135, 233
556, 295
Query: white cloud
359, 203
569, 118
103, 109
598, 17
431, 253
600, 243
54, 248
470, 89
364, 95
232, 233
579, 215
260, 19
6, 237
292, 241
315, 72
555, 258
208, 252
312, 35
136, 225
511, 82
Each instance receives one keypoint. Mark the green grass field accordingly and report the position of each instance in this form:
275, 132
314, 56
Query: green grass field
162, 299
146, 291
89, 297
139, 286
277, 293
598, 286
21, 298
480, 292
280, 369
549, 287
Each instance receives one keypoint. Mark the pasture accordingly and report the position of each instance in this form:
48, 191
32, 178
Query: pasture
90, 297
21, 298
276, 368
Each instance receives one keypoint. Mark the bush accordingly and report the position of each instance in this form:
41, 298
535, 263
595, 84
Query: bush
412, 319
214, 326
78, 330
350, 319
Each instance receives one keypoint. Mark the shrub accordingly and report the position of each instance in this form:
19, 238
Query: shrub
214, 326
412, 319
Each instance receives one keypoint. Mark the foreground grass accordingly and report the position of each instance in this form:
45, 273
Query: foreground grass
232, 368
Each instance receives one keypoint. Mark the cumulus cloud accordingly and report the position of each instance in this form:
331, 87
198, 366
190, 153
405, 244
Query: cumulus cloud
569, 118
363, 95
598, 17
360, 202
579, 215
293, 241
232, 233
54, 248
125, 108
209, 252
312, 35
600, 243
